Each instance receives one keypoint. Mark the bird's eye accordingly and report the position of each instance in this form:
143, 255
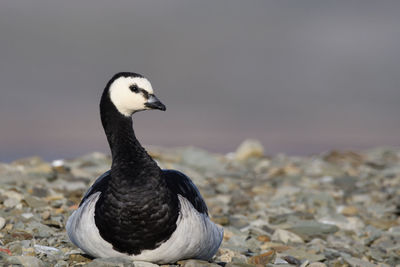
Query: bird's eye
134, 88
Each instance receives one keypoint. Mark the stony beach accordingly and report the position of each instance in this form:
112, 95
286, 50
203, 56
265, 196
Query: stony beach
339, 208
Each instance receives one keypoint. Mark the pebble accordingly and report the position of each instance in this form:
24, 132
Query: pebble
114, 262
248, 149
334, 209
30, 261
264, 258
2, 222
47, 250
317, 264
35, 202
11, 202
194, 263
286, 237
312, 229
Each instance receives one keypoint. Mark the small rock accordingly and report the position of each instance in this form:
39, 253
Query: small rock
264, 258
40, 191
30, 261
238, 264
143, 264
250, 148
47, 250
196, 263
279, 261
286, 237
11, 202
354, 262
35, 202
70, 186
45, 215
292, 260
113, 262
302, 255
200, 159
312, 229
78, 258
61, 263
317, 264
263, 238
222, 220
13, 194
349, 210
27, 215
2, 222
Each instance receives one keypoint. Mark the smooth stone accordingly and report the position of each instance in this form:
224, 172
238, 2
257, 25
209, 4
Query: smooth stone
61, 263
40, 191
111, 262
30, 261
13, 194
71, 186
35, 202
196, 263
40, 230
346, 223
15, 247
312, 229
286, 237
292, 260
79, 258
317, 264
239, 264
2, 222
47, 250
250, 148
11, 202
302, 254
144, 264
27, 215
264, 258
354, 262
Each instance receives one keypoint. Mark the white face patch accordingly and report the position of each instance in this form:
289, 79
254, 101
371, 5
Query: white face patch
126, 101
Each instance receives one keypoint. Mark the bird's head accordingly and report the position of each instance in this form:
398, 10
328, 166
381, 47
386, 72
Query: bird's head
131, 92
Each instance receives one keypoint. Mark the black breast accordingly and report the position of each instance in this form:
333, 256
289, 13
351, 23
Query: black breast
137, 214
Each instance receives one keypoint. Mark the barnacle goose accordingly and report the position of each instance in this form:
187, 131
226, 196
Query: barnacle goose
136, 209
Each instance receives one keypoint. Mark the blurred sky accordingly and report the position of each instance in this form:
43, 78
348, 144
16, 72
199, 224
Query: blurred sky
301, 76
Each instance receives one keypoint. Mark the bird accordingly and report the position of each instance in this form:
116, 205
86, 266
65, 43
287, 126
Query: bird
137, 210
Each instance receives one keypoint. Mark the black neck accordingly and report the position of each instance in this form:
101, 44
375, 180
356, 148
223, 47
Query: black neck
127, 153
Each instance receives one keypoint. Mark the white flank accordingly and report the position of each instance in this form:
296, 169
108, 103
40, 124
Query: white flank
195, 236
126, 101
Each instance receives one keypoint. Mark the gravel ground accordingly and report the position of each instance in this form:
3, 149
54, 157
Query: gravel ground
334, 209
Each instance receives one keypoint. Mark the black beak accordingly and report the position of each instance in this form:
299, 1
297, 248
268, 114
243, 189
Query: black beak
154, 103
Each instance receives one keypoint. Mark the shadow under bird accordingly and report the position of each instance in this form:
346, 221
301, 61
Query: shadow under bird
136, 209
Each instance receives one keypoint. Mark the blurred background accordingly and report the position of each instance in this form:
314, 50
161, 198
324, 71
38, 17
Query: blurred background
303, 77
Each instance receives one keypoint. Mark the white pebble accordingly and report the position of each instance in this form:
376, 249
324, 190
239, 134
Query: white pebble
57, 163
2, 222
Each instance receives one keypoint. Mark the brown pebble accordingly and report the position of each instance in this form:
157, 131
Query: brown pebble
349, 210
263, 258
59, 210
9, 227
21, 235
78, 258
263, 238
317, 264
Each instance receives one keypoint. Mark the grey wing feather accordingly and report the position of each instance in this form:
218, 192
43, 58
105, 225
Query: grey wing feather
99, 185
180, 184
